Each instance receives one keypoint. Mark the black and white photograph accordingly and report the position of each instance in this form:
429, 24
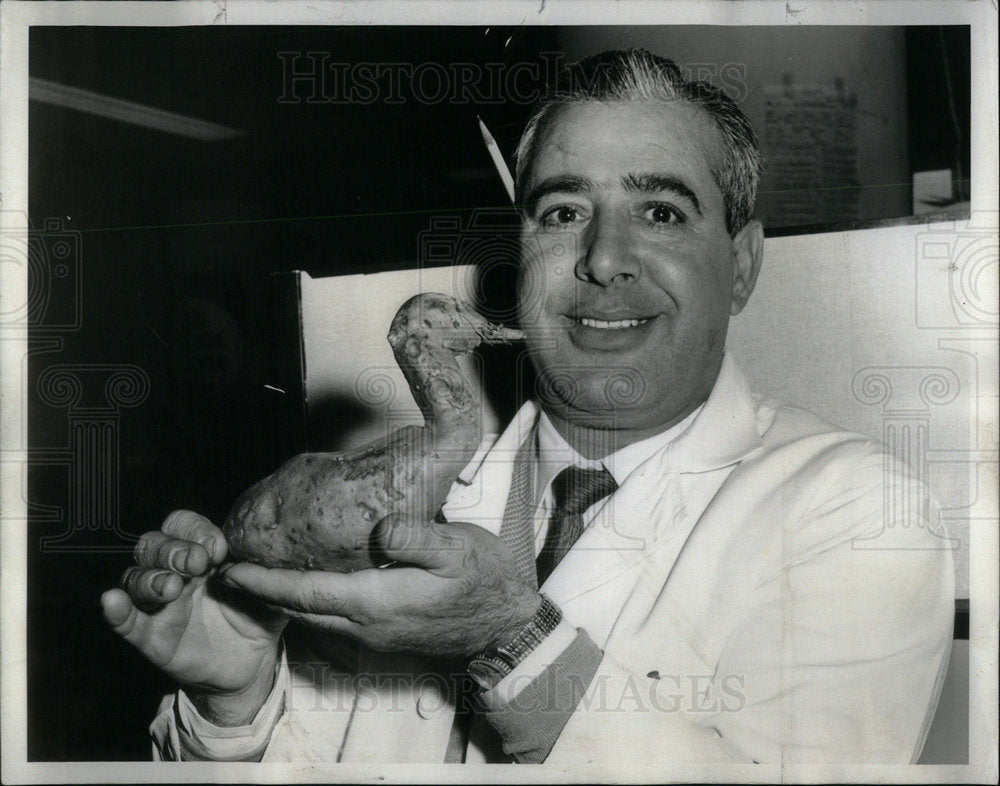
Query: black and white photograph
564, 391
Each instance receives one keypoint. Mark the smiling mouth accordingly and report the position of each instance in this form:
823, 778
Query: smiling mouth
616, 324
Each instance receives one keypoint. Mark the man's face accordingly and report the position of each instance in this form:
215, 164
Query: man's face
628, 274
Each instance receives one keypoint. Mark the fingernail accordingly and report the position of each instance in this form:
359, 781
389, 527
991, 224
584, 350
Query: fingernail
178, 562
159, 582
226, 579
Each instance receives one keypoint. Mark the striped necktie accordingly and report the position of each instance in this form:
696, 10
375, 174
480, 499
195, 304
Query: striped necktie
574, 490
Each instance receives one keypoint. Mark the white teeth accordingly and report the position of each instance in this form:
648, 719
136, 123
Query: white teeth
616, 325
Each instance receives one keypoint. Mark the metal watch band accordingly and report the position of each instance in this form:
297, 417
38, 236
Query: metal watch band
491, 666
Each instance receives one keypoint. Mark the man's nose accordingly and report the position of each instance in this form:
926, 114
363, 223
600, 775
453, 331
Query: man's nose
608, 258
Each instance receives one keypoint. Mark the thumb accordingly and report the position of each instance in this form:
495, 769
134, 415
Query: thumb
125, 619
425, 544
118, 610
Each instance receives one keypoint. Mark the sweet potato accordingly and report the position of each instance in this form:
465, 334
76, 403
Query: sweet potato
317, 510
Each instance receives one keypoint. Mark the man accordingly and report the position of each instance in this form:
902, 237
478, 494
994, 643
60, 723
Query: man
715, 606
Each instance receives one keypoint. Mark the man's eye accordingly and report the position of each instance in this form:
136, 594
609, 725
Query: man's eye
661, 213
563, 215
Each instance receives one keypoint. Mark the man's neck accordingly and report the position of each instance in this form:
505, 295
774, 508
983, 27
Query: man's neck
596, 437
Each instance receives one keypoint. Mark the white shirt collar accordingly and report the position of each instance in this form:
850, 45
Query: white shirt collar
555, 453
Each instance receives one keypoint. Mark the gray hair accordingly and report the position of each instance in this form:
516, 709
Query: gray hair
635, 74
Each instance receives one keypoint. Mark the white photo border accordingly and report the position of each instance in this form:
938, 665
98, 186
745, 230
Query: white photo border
16, 18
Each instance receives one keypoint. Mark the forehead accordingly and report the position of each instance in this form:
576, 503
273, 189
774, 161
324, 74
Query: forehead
606, 140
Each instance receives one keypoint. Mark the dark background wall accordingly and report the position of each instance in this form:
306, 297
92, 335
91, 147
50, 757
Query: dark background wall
173, 242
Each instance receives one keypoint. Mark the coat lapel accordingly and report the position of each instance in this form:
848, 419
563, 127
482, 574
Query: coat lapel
617, 572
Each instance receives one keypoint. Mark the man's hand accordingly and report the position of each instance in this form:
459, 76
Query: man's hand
213, 641
457, 591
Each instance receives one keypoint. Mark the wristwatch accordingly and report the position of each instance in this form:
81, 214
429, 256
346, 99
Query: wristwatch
488, 667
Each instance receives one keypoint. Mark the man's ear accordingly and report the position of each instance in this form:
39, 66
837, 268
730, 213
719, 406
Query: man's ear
748, 253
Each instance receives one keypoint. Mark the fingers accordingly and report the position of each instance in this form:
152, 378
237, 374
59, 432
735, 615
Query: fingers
187, 545
337, 625
187, 525
314, 592
425, 544
149, 588
156, 550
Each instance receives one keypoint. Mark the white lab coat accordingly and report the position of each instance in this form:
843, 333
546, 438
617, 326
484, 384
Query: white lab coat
756, 593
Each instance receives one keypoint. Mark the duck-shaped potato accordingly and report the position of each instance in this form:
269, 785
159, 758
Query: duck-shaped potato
318, 509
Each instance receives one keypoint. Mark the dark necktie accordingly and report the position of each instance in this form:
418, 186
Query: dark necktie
573, 491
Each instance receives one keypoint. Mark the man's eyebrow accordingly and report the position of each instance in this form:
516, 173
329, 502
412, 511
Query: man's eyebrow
564, 184
653, 183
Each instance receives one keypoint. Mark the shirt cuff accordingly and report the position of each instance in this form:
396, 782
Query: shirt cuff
202, 740
529, 713
532, 666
